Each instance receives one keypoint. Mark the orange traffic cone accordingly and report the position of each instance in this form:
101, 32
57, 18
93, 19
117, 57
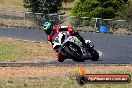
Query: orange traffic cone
81, 70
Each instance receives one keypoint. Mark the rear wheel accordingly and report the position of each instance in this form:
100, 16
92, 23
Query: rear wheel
94, 54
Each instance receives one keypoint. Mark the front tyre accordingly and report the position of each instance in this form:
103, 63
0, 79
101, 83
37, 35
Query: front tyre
94, 54
62, 58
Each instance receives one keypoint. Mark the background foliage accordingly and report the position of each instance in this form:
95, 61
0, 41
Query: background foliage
98, 8
43, 6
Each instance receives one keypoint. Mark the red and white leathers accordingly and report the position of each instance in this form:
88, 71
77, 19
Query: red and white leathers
59, 28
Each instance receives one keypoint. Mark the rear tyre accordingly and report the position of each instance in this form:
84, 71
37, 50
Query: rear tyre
94, 54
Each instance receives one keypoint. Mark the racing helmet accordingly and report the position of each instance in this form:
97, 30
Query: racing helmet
48, 28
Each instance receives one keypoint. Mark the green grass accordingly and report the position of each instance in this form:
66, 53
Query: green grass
19, 50
11, 52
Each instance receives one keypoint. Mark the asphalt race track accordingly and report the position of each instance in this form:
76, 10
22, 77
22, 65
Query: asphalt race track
115, 49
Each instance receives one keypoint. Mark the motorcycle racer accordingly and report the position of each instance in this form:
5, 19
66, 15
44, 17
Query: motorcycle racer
51, 30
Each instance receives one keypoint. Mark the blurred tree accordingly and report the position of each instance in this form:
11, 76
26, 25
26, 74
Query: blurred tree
98, 8
43, 6
125, 12
68, 0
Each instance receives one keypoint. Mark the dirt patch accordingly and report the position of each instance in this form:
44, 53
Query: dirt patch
57, 70
16, 5
56, 76
121, 31
16, 23
86, 29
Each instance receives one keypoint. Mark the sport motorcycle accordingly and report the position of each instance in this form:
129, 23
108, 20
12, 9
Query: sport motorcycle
72, 47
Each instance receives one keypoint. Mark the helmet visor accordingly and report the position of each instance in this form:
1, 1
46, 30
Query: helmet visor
46, 25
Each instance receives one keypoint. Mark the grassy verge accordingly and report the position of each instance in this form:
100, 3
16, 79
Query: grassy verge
57, 77
10, 51
14, 50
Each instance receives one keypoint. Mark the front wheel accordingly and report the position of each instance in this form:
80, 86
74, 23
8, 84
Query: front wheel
94, 54
62, 58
